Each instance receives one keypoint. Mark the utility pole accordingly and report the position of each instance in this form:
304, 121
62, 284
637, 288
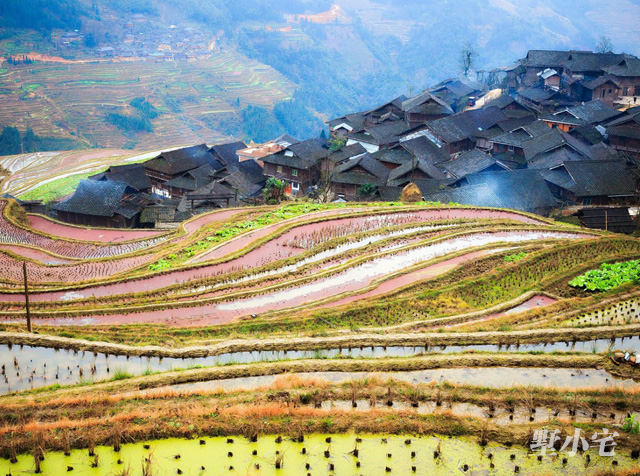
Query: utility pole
26, 295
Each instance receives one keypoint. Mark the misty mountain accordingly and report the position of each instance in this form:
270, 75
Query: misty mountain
340, 58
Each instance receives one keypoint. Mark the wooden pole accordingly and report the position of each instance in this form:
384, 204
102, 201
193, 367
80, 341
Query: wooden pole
26, 295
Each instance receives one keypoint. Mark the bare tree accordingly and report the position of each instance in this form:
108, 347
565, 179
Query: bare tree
468, 56
604, 45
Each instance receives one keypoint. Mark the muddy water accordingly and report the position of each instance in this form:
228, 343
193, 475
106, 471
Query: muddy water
494, 377
38, 366
362, 275
378, 455
498, 415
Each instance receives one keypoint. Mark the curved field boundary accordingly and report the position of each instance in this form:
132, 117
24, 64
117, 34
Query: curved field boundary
336, 365
253, 242
50, 226
342, 341
169, 307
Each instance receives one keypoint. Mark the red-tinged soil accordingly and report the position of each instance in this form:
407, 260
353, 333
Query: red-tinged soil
112, 235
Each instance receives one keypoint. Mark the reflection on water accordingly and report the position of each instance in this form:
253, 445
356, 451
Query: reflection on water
42, 366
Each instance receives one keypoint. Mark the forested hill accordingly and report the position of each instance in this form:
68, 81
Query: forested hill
326, 60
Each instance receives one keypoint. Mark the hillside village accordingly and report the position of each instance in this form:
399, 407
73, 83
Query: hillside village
564, 132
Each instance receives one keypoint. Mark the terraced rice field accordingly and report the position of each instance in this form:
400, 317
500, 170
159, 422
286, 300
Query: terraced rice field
207, 91
315, 339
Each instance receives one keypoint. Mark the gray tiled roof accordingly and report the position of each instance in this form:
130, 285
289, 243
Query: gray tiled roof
346, 152
413, 104
480, 195
464, 125
131, 174
95, 198
305, 155
422, 148
180, 160
517, 189
596, 178
376, 173
555, 158
387, 133
397, 155
193, 179
227, 152
592, 112
629, 66
400, 174
469, 162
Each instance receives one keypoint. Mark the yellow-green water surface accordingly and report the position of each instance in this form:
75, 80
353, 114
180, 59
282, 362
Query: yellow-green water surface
377, 455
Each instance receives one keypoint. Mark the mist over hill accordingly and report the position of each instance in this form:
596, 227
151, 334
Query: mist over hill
297, 62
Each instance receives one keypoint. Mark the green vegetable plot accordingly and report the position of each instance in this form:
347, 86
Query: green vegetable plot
609, 276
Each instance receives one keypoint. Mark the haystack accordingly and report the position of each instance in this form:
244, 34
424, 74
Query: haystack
411, 193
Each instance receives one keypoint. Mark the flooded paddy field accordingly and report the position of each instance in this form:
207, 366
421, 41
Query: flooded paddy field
492, 377
318, 454
25, 367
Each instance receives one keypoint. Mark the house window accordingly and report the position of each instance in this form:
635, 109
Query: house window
603, 91
279, 169
295, 186
294, 172
510, 148
610, 91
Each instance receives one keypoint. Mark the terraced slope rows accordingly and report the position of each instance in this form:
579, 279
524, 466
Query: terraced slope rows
438, 324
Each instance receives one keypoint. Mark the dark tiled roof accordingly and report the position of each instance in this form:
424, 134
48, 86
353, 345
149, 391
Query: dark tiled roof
401, 174
588, 133
515, 122
629, 66
599, 81
346, 152
625, 131
227, 152
131, 174
466, 124
457, 88
596, 178
518, 189
252, 171
285, 139
310, 149
387, 133
555, 158
592, 112
96, 198
355, 121
304, 155
193, 179
376, 173
469, 162
416, 104
576, 61
550, 141
429, 186
480, 195
180, 160
501, 102
397, 155
422, 148
537, 94
631, 116
241, 182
